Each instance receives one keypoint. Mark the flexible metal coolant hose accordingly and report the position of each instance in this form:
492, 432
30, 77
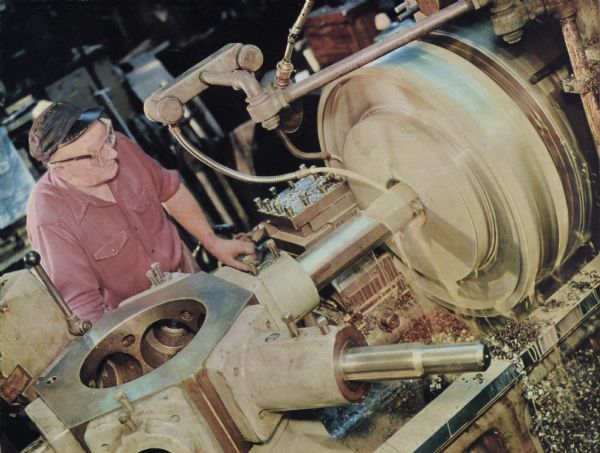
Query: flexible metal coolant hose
254, 179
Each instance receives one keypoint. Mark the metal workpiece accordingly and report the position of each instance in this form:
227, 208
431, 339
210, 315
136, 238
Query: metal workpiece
75, 326
412, 360
476, 253
166, 104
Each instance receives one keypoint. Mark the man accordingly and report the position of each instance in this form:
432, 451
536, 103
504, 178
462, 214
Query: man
97, 217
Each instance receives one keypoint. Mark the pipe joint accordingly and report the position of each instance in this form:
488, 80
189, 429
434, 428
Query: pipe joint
561, 9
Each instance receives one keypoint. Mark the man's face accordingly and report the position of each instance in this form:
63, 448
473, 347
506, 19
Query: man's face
90, 160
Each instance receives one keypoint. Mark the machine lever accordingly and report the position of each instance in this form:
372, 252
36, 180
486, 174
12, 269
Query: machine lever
75, 325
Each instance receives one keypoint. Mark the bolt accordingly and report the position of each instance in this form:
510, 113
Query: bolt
289, 210
290, 322
323, 325
125, 419
186, 315
291, 184
258, 202
273, 248
277, 206
304, 199
249, 261
267, 205
273, 191
128, 340
272, 337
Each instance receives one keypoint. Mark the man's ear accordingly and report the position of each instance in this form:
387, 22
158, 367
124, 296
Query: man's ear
62, 172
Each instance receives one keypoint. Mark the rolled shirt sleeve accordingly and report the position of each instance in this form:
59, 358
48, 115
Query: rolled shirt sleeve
166, 182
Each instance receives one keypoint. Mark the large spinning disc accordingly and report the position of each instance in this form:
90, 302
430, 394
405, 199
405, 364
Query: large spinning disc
504, 204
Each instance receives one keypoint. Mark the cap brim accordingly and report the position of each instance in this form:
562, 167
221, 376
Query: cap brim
85, 119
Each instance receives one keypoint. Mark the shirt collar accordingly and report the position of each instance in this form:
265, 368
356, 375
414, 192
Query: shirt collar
77, 200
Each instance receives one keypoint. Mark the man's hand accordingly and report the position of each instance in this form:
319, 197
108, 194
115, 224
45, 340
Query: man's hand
185, 209
227, 250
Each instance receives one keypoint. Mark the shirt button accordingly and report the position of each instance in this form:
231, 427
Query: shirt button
113, 251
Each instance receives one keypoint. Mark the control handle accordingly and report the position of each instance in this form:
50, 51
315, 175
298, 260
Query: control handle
75, 325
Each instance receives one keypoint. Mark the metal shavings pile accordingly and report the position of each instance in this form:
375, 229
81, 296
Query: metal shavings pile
585, 282
512, 339
437, 327
567, 405
436, 384
550, 304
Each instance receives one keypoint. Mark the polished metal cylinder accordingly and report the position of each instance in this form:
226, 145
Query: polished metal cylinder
342, 249
412, 360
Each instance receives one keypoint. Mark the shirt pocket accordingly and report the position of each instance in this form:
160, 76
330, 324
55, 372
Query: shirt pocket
142, 202
112, 247
149, 212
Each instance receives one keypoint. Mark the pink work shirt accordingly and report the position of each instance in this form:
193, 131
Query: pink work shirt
97, 252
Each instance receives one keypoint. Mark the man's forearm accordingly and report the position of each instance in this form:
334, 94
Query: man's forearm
187, 212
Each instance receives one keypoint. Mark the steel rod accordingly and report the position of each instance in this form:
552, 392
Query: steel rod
412, 360
374, 51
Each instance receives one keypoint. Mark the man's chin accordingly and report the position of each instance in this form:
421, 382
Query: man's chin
112, 171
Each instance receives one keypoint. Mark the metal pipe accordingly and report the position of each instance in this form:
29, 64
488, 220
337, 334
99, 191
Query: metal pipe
412, 360
239, 80
296, 152
74, 324
374, 51
296, 29
583, 74
254, 179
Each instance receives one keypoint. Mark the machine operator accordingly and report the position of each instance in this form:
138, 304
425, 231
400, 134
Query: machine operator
97, 217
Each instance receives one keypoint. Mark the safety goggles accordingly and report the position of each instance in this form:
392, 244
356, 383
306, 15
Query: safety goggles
96, 152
